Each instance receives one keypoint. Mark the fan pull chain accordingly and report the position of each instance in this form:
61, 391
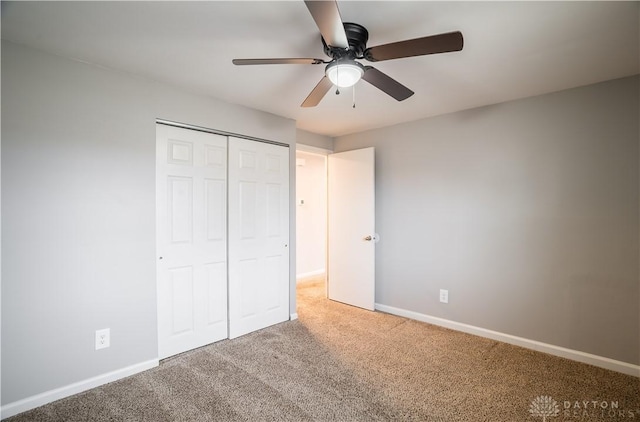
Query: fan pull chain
337, 78
354, 96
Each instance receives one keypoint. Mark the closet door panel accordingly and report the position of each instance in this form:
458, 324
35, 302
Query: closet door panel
258, 235
191, 208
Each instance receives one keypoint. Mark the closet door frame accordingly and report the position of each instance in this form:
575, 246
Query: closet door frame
286, 297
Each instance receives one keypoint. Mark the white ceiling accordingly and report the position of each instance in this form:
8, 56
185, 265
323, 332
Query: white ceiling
512, 50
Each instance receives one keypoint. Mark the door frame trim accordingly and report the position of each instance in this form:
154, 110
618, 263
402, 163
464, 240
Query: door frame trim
218, 132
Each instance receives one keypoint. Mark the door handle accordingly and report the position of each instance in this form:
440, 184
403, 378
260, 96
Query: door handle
368, 238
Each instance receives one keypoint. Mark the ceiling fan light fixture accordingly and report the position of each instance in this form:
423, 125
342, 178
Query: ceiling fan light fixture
344, 73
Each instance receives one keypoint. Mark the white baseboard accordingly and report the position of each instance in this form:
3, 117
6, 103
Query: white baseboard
41, 399
576, 355
293, 316
310, 274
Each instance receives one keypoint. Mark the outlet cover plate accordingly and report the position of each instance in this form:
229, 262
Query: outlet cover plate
103, 338
444, 296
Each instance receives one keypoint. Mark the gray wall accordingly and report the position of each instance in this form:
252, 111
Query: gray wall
78, 208
314, 140
527, 212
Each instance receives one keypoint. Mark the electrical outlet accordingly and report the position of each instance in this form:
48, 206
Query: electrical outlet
444, 296
103, 338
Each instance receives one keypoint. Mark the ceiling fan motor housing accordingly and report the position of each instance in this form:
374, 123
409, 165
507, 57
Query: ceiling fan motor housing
357, 36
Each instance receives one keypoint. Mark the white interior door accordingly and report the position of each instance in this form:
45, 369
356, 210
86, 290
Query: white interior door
258, 235
351, 228
191, 239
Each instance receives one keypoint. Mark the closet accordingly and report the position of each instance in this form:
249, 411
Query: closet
222, 234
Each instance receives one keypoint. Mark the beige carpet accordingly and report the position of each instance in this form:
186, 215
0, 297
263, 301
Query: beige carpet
339, 363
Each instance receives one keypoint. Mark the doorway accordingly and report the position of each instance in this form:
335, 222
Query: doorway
335, 223
311, 214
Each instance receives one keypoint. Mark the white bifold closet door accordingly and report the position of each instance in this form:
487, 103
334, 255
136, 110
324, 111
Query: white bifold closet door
258, 235
222, 237
191, 235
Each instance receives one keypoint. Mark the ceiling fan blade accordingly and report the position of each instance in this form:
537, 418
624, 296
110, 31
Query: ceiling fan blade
386, 83
442, 43
243, 62
318, 93
327, 17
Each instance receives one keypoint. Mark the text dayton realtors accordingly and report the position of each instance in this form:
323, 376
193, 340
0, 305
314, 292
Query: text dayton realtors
602, 408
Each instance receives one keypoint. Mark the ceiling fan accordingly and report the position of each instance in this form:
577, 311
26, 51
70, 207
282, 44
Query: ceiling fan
346, 42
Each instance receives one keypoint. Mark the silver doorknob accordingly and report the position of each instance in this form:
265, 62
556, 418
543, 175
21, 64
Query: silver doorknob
368, 238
